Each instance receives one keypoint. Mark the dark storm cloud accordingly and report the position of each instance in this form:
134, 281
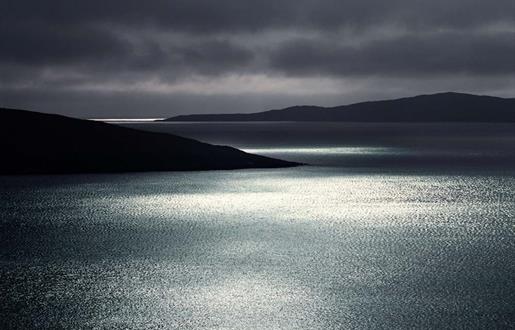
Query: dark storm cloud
36, 43
433, 54
96, 32
40, 43
49, 47
228, 15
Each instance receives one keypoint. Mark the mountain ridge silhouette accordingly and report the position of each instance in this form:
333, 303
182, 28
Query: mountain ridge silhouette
39, 143
440, 107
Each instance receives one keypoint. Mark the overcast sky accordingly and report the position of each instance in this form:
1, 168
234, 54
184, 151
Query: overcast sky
133, 58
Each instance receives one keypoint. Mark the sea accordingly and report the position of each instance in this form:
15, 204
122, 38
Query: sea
387, 226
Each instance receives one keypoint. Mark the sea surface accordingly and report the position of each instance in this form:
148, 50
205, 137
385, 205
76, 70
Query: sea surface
391, 226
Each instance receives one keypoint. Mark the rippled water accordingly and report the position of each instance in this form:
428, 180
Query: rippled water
373, 145
309, 247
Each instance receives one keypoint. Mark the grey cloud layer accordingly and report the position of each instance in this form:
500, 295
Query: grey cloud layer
228, 15
56, 43
415, 55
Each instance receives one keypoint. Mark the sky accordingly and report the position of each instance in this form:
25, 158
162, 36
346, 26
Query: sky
144, 59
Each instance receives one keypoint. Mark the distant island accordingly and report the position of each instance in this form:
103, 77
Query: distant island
442, 107
33, 142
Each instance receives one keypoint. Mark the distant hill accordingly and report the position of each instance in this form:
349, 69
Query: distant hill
32, 142
442, 107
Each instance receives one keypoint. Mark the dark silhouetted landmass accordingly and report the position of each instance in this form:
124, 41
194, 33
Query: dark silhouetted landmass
34, 142
442, 107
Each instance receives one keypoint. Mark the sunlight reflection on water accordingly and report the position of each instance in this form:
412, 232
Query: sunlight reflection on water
295, 248
325, 150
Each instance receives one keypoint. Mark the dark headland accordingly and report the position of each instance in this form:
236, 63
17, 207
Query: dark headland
442, 107
33, 142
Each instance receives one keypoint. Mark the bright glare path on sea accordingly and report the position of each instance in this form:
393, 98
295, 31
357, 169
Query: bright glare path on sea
309, 247
321, 150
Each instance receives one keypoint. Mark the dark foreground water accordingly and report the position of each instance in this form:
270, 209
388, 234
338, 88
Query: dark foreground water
387, 234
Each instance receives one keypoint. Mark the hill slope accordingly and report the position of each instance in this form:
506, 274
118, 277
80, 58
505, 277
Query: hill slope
34, 142
442, 107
